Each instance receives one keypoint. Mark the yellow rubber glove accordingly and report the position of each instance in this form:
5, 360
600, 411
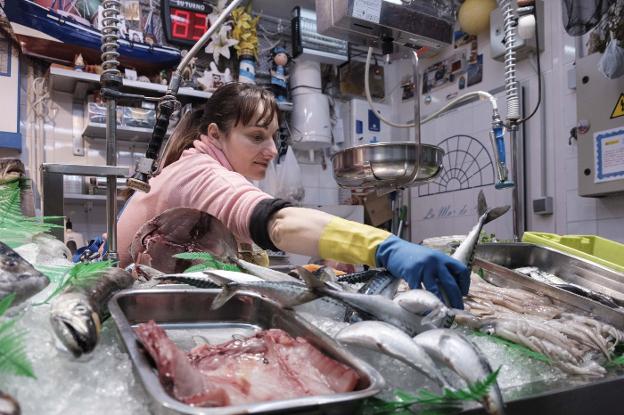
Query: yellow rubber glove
351, 242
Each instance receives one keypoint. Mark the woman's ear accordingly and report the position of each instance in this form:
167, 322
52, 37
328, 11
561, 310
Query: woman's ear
214, 135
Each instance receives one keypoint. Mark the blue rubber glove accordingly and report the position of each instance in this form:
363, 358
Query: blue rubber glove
418, 264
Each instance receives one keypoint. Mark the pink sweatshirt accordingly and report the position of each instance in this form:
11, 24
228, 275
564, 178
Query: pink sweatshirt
202, 179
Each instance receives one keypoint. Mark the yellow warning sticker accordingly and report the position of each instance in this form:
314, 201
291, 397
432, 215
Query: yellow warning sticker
618, 111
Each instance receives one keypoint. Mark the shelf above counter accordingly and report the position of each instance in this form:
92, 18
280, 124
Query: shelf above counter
80, 197
128, 134
80, 83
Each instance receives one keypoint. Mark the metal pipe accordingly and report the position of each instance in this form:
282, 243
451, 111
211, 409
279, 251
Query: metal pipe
518, 171
419, 152
111, 181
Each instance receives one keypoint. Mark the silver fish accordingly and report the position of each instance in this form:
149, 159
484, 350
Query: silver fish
426, 304
18, 276
555, 281
466, 250
265, 273
287, 294
383, 283
463, 358
379, 307
387, 339
8, 405
76, 315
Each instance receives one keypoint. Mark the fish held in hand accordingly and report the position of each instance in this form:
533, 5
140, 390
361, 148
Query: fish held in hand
428, 305
466, 250
76, 315
18, 276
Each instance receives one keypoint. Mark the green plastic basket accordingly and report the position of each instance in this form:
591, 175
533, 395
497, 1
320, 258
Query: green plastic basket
593, 248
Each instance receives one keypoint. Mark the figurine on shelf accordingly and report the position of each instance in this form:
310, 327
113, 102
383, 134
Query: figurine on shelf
247, 43
247, 69
214, 79
163, 77
79, 63
187, 72
279, 75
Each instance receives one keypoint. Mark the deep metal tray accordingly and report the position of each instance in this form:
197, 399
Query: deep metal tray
564, 397
182, 310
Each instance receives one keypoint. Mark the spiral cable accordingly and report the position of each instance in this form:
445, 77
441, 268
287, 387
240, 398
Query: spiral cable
511, 84
110, 35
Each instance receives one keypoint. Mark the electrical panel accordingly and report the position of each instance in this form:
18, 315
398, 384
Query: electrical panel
600, 129
524, 47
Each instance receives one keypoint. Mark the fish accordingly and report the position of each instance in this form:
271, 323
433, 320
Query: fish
179, 230
387, 339
464, 358
8, 405
426, 304
466, 250
383, 283
76, 315
18, 276
286, 294
264, 273
11, 170
555, 281
379, 307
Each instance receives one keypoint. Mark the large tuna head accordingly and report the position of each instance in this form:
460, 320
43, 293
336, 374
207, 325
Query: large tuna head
75, 323
18, 276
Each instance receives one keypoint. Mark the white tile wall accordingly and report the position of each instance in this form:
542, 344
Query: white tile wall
572, 214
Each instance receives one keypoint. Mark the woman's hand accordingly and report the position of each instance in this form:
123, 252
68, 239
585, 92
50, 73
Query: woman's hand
441, 274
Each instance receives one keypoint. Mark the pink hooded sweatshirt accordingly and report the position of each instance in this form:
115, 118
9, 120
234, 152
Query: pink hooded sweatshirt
202, 179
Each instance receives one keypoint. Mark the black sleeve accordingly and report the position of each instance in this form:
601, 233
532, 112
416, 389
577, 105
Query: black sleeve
258, 224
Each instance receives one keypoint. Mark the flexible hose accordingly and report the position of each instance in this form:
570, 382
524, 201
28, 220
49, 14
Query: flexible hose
511, 84
449, 105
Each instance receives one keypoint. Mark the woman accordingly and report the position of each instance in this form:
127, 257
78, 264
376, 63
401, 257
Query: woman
218, 148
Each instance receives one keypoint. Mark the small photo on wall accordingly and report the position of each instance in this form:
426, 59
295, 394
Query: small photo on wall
475, 71
462, 38
135, 36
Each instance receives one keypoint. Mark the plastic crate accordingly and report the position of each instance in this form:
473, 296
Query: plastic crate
593, 248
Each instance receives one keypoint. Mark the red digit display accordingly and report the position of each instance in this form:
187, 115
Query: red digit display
187, 25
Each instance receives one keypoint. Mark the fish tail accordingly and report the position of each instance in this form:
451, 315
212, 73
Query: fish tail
495, 213
481, 203
226, 294
310, 280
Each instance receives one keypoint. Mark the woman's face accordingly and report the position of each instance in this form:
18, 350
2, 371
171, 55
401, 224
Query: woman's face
250, 148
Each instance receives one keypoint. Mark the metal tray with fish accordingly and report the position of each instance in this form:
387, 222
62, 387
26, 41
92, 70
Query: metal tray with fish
565, 395
185, 314
582, 284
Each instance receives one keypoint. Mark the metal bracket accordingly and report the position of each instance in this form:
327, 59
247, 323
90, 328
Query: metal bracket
77, 128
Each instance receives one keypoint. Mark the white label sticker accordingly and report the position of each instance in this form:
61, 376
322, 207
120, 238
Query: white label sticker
369, 10
609, 155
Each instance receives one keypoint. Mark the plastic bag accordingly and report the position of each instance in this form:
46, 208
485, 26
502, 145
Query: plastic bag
289, 183
611, 63
269, 183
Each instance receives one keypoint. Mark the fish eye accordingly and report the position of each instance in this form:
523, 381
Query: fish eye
9, 263
80, 308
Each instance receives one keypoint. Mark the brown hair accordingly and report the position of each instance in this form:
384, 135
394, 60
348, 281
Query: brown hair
230, 105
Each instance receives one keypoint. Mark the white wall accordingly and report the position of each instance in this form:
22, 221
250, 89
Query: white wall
572, 214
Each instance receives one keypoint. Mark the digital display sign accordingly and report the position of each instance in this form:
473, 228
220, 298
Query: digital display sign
185, 21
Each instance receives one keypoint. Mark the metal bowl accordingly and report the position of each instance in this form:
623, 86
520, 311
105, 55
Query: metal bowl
386, 165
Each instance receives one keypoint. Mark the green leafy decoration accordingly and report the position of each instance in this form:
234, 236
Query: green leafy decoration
481, 273
430, 402
80, 274
515, 346
617, 362
55, 273
13, 359
15, 228
207, 262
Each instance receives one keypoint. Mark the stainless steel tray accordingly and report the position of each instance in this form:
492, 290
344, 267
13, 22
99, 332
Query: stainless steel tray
179, 310
566, 267
564, 396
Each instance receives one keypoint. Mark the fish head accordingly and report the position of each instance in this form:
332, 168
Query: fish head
18, 276
10, 170
488, 327
75, 323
